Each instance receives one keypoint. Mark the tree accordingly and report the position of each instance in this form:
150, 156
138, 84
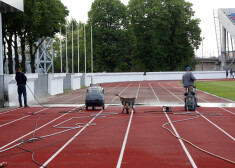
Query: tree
57, 63
8, 32
165, 32
110, 35
46, 18
40, 19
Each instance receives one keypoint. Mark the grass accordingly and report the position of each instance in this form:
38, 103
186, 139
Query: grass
225, 89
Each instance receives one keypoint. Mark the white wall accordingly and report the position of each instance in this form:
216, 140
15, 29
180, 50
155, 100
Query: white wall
139, 76
10, 88
55, 81
76, 81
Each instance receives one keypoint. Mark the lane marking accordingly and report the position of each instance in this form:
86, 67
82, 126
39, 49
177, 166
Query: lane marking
36, 129
182, 89
218, 127
124, 143
227, 110
181, 142
121, 92
85, 94
21, 118
4, 112
66, 144
126, 136
215, 125
170, 92
154, 92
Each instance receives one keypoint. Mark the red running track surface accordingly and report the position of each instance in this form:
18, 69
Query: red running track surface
115, 139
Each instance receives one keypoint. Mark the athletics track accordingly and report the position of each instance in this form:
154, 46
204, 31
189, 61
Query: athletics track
61, 133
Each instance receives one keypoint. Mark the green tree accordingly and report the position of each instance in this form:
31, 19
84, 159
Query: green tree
166, 34
109, 21
46, 18
57, 61
40, 19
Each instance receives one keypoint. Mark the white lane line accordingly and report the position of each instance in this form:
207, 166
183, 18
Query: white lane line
124, 143
181, 142
184, 90
55, 154
126, 136
170, 92
227, 110
21, 118
218, 127
85, 94
154, 92
4, 112
35, 130
121, 92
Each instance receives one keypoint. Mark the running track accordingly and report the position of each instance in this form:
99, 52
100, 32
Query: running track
71, 136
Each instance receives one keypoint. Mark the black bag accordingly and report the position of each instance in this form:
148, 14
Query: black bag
190, 102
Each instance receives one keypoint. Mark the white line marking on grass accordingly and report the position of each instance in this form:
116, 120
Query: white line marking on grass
125, 139
182, 143
53, 156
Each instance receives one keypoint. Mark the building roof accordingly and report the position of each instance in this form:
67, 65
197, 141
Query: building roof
11, 6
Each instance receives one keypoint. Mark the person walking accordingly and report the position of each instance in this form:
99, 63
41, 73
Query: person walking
21, 80
226, 73
231, 73
188, 82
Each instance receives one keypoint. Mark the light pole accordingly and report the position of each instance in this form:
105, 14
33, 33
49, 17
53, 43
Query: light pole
202, 51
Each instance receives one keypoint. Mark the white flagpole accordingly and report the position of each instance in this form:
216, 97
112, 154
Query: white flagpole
66, 53
78, 47
85, 45
60, 53
72, 50
91, 53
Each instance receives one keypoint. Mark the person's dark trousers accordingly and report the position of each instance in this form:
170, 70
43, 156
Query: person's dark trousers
22, 90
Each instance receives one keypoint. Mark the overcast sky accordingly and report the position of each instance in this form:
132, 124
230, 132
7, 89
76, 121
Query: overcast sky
78, 9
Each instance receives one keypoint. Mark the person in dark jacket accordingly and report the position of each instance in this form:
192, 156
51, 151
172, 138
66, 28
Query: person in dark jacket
21, 80
188, 82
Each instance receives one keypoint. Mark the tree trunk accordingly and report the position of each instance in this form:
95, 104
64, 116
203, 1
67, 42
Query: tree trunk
172, 64
17, 64
9, 53
32, 56
22, 42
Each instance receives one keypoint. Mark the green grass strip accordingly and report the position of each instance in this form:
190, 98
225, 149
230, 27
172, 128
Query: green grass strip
225, 89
